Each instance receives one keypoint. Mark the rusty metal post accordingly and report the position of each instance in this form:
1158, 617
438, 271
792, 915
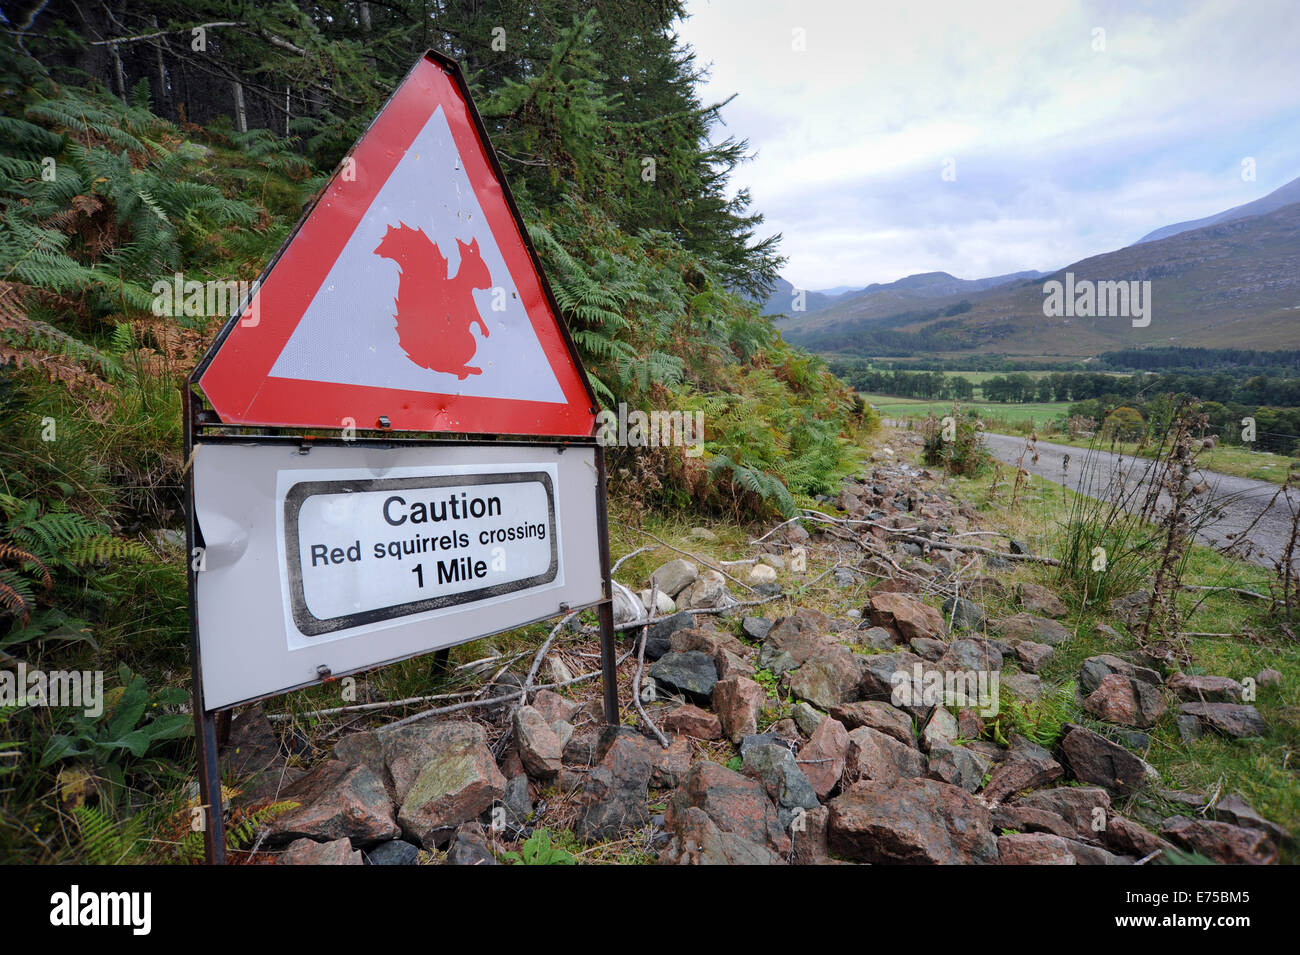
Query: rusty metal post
608, 668
205, 727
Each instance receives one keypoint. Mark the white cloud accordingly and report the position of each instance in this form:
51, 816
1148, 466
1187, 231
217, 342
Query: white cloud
1062, 151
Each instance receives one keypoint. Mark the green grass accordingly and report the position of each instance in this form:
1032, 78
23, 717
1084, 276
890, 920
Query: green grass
1263, 770
991, 411
1224, 459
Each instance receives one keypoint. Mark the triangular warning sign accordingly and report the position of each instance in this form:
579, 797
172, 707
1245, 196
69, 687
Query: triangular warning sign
409, 292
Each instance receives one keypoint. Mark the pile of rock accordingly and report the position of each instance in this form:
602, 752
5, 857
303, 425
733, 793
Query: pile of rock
870, 765
855, 774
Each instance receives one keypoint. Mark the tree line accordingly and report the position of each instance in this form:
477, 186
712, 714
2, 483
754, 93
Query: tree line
1020, 387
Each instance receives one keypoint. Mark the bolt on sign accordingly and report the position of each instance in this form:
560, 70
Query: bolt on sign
404, 321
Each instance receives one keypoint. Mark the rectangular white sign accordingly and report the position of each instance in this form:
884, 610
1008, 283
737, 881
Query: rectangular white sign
348, 557
360, 550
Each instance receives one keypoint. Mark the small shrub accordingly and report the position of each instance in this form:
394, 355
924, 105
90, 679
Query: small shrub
955, 442
538, 849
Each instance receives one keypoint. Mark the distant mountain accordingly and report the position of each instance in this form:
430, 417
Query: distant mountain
881, 299
1282, 196
1231, 284
877, 298
781, 301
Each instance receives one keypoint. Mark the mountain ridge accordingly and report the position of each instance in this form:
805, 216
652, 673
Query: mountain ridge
1282, 196
1229, 284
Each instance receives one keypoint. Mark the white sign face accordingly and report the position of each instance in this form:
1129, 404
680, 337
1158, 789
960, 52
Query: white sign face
360, 551
345, 558
428, 215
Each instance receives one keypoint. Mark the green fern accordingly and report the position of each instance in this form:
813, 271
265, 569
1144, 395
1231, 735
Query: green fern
101, 549
107, 841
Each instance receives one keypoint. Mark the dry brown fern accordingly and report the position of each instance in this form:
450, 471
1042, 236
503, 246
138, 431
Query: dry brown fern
11, 598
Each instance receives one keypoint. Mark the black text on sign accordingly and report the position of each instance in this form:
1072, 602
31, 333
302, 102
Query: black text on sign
361, 552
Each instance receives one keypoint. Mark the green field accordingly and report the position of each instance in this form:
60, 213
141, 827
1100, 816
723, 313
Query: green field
1037, 412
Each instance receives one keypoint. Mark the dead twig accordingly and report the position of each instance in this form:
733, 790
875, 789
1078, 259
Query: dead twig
640, 665
685, 553
619, 563
501, 700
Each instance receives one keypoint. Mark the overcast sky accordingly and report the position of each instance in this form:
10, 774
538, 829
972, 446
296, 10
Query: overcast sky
1059, 150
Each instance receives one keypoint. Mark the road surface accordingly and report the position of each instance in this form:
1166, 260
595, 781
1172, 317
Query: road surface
1240, 500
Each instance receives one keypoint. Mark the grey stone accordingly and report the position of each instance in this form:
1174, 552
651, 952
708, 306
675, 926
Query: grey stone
518, 805
828, 677
1210, 689
966, 616
615, 793
311, 852
776, 661
470, 847
762, 739
1228, 719
663, 603
1095, 669
659, 635
1027, 687
394, 852
1095, 759
972, 653
709, 591
784, 781
958, 766
806, 717
675, 576
941, 730
1028, 626
877, 638
693, 674
928, 648
1189, 727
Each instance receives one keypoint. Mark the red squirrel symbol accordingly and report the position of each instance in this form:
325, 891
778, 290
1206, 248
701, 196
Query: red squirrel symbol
436, 313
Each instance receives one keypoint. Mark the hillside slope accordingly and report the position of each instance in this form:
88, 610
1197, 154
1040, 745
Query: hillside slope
1233, 284
1276, 199
887, 298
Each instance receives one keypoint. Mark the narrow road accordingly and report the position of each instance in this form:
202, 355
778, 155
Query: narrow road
1240, 500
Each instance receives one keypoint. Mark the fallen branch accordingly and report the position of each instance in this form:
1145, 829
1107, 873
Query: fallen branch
367, 707
636, 679
775, 529
501, 700
619, 563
